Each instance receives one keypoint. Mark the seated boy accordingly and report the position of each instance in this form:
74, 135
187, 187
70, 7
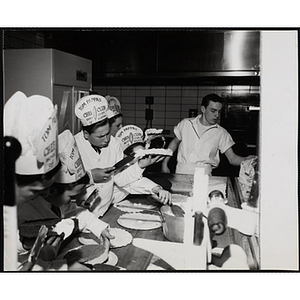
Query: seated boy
60, 202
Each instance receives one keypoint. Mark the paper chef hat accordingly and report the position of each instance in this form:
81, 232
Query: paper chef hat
91, 109
33, 122
72, 167
114, 106
129, 135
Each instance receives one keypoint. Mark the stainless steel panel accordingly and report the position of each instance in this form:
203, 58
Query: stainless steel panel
241, 51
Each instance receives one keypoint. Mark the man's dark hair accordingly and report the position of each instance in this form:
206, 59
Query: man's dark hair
92, 128
23, 180
211, 97
114, 118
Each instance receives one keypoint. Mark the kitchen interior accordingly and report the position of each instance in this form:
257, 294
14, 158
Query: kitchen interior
159, 76
166, 72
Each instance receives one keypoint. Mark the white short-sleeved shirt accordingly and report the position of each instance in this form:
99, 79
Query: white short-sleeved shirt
200, 145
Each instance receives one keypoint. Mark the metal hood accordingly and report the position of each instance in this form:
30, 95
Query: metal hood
210, 53
241, 52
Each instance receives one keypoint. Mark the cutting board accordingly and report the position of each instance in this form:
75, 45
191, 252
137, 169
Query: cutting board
181, 183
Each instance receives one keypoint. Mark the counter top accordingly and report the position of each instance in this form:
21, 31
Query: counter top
183, 183
133, 258
130, 257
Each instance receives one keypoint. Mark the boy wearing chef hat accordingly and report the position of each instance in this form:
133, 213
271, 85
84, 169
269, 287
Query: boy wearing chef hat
33, 122
72, 180
60, 202
114, 114
100, 151
131, 139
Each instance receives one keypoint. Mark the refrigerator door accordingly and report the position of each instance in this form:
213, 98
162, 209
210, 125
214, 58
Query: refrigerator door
63, 98
77, 95
66, 97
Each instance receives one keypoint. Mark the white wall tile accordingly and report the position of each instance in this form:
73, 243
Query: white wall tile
189, 92
128, 91
173, 100
171, 103
160, 107
173, 92
173, 107
157, 92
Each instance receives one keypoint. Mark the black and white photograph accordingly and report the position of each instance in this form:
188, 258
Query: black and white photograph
150, 150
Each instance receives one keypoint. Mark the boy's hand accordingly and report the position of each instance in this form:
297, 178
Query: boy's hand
162, 195
51, 247
102, 175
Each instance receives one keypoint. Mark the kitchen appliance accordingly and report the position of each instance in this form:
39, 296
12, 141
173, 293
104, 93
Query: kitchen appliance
241, 120
60, 76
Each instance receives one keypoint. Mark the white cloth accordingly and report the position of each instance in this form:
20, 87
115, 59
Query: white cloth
200, 145
246, 176
108, 157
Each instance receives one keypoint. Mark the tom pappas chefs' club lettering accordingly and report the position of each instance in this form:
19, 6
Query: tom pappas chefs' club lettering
129, 128
72, 154
77, 160
87, 101
47, 133
115, 108
130, 138
77, 163
89, 113
47, 148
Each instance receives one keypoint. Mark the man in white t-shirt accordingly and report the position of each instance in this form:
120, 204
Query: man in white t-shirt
200, 139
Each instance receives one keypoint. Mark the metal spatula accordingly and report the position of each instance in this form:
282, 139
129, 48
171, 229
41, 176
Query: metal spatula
177, 210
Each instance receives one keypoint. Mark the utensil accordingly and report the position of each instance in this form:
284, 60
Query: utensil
138, 208
177, 210
139, 219
124, 163
35, 250
140, 153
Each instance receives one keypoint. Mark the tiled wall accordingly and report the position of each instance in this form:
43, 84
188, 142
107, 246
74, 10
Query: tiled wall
171, 103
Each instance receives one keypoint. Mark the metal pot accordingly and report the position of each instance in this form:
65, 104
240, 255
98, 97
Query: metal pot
173, 227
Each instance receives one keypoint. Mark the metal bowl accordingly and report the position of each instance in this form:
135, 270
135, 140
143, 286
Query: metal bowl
173, 227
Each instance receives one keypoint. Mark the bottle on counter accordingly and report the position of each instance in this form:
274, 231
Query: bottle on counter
198, 228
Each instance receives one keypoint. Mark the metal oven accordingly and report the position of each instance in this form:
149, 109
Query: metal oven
241, 119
